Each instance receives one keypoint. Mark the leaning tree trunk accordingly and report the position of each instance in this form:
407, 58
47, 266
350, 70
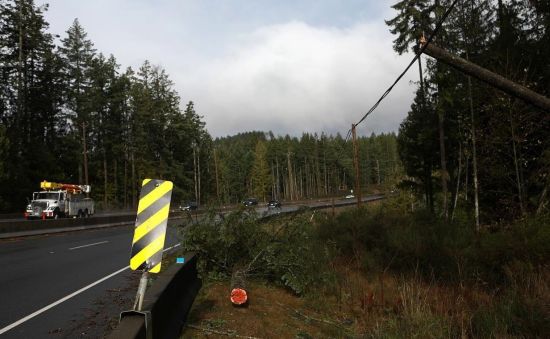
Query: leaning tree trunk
488, 77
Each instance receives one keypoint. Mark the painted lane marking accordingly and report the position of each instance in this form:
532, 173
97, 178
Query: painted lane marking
95, 243
44, 309
55, 303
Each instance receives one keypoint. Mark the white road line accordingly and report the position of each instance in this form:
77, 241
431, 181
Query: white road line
169, 248
44, 309
95, 243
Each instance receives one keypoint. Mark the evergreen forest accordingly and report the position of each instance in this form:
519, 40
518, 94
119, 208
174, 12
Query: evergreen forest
72, 114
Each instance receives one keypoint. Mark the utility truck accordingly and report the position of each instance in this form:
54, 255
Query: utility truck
57, 200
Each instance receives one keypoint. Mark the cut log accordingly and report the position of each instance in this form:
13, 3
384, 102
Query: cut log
239, 294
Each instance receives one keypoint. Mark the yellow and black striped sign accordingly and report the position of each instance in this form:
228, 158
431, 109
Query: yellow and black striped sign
150, 231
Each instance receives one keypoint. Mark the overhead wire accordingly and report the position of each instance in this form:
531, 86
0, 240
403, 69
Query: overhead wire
418, 54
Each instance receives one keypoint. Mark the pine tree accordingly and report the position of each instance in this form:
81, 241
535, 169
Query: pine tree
28, 97
77, 53
260, 175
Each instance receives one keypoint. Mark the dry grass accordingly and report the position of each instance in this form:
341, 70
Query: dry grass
380, 306
271, 313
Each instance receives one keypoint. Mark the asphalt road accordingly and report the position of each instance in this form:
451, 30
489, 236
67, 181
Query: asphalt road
42, 270
38, 273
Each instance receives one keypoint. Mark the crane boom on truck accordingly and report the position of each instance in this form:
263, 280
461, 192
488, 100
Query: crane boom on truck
60, 200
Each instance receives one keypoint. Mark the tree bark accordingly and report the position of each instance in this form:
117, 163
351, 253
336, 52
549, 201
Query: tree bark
516, 165
126, 181
105, 178
290, 179
356, 165
195, 174
474, 154
542, 200
378, 171
217, 175
134, 182
278, 189
444, 173
199, 174
85, 154
457, 180
115, 182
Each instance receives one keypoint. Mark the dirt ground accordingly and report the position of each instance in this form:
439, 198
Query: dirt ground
272, 312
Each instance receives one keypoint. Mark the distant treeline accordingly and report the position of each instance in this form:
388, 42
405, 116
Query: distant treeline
265, 166
71, 114
61, 99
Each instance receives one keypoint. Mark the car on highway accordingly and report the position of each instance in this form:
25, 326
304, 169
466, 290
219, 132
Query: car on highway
189, 206
350, 196
274, 204
250, 202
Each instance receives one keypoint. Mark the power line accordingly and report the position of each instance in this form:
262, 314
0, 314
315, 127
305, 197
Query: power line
418, 54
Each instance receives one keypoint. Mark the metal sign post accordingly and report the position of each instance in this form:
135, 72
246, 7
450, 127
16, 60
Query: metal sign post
148, 240
141, 291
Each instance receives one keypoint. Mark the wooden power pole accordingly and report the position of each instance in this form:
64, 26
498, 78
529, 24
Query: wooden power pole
85, 154
356, 164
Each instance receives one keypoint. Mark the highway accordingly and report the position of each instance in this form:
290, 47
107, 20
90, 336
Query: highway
43, 270
74, 284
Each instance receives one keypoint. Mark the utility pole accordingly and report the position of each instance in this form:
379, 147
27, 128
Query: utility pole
356, 163
199, 174
85, 154
195, 173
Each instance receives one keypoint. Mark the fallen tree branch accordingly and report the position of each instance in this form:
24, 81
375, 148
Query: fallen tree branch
328, 322
229, 334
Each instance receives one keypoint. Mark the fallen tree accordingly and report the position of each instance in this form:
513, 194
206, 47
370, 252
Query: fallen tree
490, 78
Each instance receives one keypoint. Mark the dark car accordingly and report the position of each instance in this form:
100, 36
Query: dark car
274, 204
189, 206
250, 202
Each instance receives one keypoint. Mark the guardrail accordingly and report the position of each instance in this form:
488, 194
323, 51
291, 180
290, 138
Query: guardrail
166, 304
30, 225
20, 228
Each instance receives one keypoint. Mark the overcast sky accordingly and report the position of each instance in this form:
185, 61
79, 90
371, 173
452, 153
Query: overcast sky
285, 66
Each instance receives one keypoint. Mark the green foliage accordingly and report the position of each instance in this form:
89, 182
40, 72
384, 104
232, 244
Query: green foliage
285, 251
389, 237
261, 180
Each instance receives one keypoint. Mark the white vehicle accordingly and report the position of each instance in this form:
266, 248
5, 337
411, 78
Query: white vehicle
60, 200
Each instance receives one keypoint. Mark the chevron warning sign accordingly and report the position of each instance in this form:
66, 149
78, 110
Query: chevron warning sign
150, 230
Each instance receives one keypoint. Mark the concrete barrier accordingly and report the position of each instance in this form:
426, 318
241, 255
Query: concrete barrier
168, 301
22, 227
33, 225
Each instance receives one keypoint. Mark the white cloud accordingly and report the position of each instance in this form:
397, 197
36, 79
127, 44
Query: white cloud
293, 78
288, 67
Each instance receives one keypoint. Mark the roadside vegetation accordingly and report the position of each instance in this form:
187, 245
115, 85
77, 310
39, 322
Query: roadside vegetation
381, 272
